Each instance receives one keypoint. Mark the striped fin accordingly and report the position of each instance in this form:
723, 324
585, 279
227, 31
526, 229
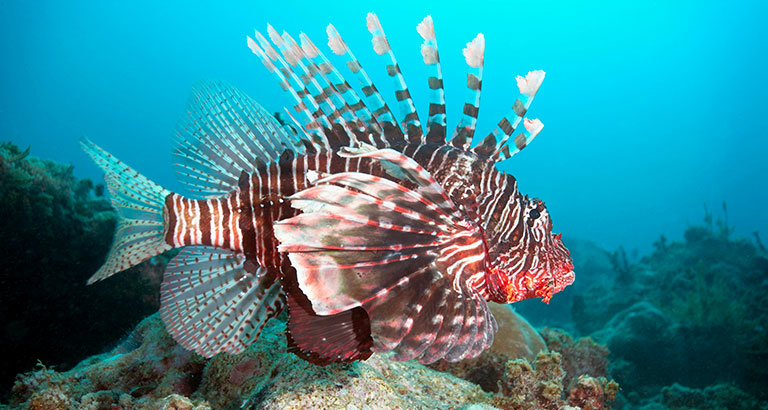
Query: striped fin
357, 107
427, 319
392, 133
451, 318
210, 303
467, 334
338, 111
436, 124
223, 134
331, 103
365, 241
304, 100
139, 203
473, 329
497, 139
410, 118
288, 59
531, 129
309, 124
465, 130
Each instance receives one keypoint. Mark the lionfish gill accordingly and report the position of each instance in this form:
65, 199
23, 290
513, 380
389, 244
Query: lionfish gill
376, 234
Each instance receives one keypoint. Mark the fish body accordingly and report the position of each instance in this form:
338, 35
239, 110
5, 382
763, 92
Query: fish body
376, 235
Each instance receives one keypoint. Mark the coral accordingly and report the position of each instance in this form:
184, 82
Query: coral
581, 357
159, 374
155, 369
697, 309
540, 386
591, 393
150, 371
516, 339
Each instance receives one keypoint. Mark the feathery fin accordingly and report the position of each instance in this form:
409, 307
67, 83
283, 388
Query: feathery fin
223, 134
210, 303
366, 241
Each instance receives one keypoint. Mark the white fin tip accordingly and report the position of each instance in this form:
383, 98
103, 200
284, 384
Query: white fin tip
426, 29
475, 51
530, 84
533, 126
309, 48
334, 41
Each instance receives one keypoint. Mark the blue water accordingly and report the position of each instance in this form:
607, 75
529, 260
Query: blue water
652, 109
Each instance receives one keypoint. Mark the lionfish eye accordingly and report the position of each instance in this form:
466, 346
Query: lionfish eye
534, 213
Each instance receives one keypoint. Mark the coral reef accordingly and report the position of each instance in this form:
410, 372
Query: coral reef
540, 386
721, 396
716, 397
150, 371
692, 312
61, 229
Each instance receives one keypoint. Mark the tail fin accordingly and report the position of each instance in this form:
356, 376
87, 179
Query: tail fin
139, 204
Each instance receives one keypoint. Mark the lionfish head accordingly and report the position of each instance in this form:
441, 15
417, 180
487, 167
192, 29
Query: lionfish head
530, 262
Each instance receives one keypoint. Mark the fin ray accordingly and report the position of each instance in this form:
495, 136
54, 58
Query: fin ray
210, 303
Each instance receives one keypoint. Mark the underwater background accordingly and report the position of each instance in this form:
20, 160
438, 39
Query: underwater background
652, 163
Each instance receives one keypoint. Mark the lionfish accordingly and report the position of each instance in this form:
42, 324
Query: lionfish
376, 234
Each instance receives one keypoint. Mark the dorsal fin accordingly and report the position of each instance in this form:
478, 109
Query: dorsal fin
308, 122
496, 140
465, 130
321, 88
409, 116
437, 122
330, 102
223, 134
357, 107
392, 132
335, 115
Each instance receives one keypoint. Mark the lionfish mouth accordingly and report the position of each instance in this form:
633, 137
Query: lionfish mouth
553, 274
